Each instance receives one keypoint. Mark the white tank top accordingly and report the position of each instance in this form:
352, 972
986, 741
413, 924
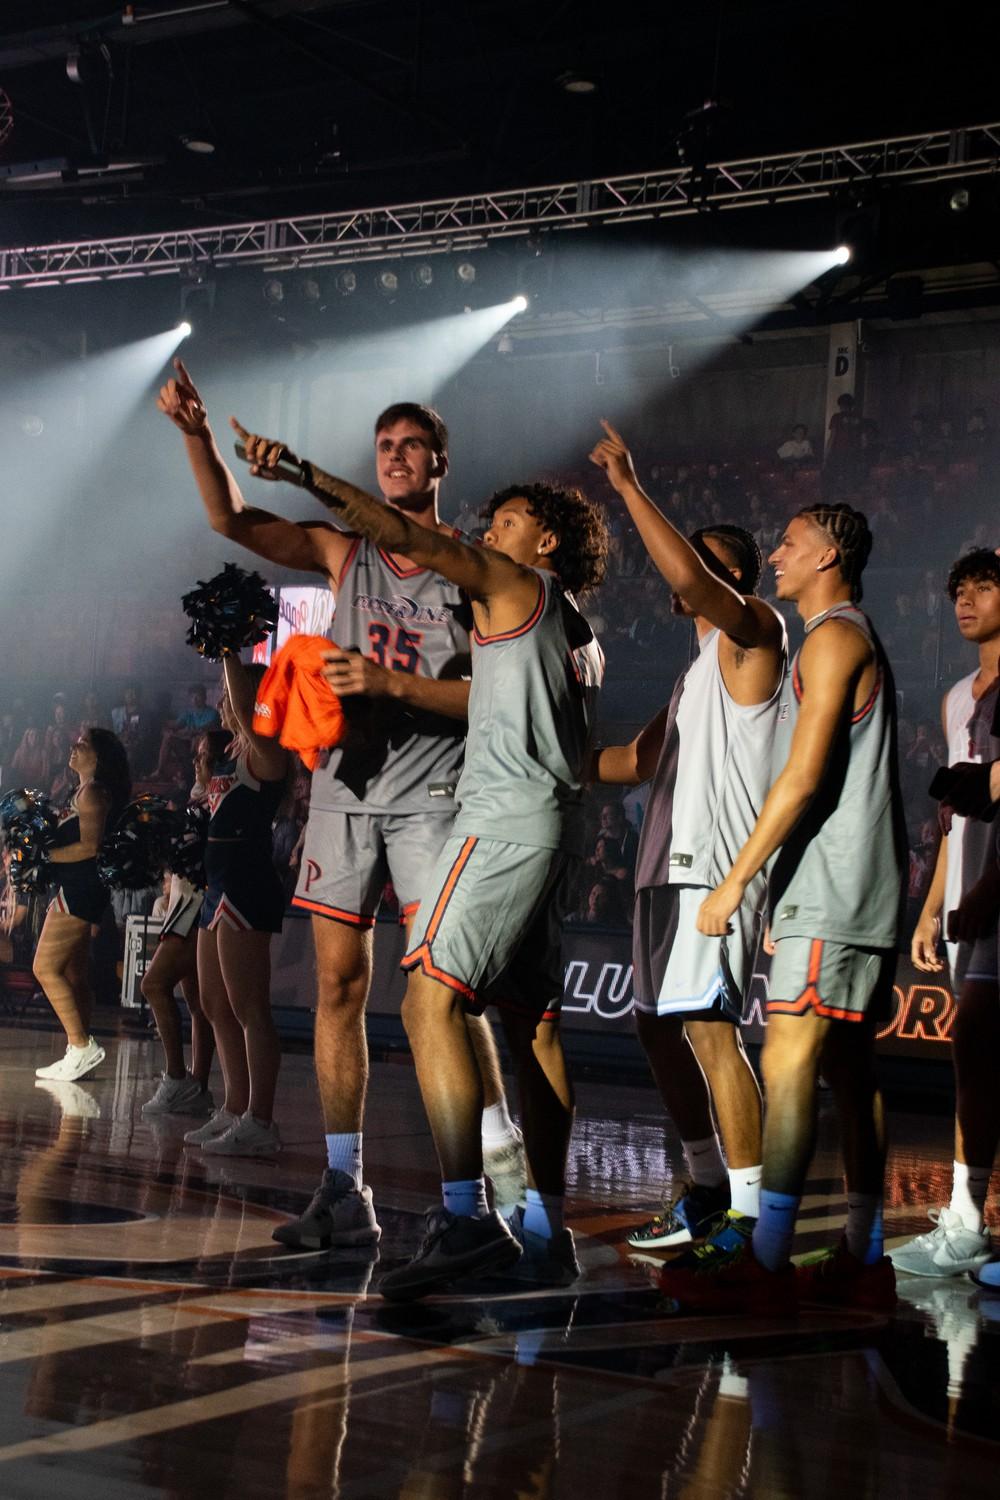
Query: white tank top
971, 843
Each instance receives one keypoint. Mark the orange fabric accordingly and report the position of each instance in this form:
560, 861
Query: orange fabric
295, 704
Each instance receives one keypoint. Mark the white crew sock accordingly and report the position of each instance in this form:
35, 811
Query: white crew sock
498, 1127
969, 1187
466, 1197
705, 1161
343, 1154
744, 1190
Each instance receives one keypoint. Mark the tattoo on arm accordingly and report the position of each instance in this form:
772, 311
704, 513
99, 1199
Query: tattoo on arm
358, 511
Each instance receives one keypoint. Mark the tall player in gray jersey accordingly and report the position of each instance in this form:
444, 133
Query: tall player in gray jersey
832, 828
488, 930
709, 755
383, 804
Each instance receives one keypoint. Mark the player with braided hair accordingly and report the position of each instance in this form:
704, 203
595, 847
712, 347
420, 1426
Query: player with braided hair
832, 833
708, 754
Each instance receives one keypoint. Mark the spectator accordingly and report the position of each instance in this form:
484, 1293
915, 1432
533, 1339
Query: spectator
179, 735
603, 906
614, 825
30, 763
842, 467
92, 715
797, 449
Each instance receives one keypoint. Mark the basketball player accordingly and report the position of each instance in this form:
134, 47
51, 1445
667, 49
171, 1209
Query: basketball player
489, 928
709, 754
383, 804
965, 874
832, 826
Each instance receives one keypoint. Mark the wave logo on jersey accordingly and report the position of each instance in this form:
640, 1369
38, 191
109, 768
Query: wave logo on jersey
402, 607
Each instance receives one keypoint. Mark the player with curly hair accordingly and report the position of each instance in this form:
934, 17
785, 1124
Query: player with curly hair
708, 756
488, 928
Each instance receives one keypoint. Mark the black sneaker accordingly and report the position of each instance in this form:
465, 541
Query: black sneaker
339, 1215
544, 1262
454, 1245
689, 1217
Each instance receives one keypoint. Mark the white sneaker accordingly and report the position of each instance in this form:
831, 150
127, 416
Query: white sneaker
75, 1062
179, 1096
946, 1250
220, 1122
245, 1137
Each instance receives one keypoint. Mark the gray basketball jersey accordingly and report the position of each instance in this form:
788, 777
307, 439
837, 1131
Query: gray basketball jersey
531, 712
394, 759
839, 874
971, 843
712, 775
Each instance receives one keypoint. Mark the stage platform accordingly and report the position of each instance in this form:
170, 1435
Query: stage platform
155, 1342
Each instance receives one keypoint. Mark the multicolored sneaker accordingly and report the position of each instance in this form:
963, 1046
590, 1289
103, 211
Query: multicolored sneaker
730, 1281
837, 1278
728, 1233
687, 1218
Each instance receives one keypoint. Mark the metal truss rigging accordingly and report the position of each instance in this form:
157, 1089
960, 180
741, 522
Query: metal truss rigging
469, 222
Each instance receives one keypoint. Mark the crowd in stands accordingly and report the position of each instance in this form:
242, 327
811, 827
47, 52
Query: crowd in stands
927, 492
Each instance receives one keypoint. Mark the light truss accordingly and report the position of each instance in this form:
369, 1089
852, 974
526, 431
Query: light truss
469, 222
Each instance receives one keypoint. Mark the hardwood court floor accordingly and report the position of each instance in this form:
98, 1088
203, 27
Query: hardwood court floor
155, 1342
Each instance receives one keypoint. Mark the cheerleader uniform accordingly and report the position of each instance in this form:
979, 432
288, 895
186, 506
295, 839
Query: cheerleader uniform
185, 900
81, 891
244, 891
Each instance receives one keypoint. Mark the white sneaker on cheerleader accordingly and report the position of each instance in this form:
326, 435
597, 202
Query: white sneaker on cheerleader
247, 1137
179, 1096
220, 1122
74, 1064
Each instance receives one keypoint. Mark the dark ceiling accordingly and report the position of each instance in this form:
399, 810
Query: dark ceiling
345, 103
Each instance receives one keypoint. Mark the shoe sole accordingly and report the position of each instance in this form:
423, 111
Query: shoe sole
250, 1151
351, 1239
940, 1273
672, 1241
430, 1281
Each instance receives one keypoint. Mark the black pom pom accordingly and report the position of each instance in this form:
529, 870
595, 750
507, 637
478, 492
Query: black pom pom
187, 848
28, 822
135, 853
232, 610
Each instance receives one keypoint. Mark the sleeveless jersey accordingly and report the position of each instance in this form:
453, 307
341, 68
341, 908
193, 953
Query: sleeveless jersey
531, 712
711, 779
394, 759
240, 806
971, 843
839, 874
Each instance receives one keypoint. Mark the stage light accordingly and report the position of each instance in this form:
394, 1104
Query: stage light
311, 290
572, 82
387, 282
184, 329
346, 282
466, 272
959, 201
505, 344
274, 291
198, 146
520, 303
422, 275
842, 255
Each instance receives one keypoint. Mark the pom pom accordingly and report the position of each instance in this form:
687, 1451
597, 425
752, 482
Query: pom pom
232, 610
135, 853
186, 856
28, 822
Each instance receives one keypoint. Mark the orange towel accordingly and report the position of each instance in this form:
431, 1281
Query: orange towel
296, 704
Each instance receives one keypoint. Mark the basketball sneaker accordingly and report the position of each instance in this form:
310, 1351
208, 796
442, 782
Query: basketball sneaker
687, 1218
544, 1262
179, 1096
946, 1250
245, 1137
454, 1245
74, 1064
218, 1124
732, 1281
838, 1279
339, 1215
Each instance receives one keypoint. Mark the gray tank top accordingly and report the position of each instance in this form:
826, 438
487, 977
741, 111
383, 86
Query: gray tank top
711, 779
394, 759
531, 712
839, 874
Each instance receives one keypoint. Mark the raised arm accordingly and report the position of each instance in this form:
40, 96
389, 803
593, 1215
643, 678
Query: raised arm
747, 621
312, 547
268, 759
833, 658
481, 572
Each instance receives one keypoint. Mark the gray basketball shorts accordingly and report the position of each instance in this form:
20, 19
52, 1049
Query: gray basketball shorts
348, 857
833, 980
491, 929
678, 971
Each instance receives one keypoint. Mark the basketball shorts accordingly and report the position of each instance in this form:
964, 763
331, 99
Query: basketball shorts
244, 892
491, 925
348, 857
833, 980
976, 961
677, 970
81, 892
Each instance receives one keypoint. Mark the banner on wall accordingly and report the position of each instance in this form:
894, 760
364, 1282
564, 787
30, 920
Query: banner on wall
303, 611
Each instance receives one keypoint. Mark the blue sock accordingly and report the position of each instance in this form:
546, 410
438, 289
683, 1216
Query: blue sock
467, 1197
543, 1213
989, 1274
864, 1227
343, 1154
775, 1229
